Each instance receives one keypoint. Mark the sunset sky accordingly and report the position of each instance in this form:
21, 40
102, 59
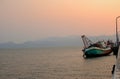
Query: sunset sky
29, 20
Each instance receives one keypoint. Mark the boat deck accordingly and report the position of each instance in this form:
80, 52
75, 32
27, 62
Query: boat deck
116, 74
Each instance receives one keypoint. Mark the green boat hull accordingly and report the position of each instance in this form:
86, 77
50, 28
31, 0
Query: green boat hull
96, 51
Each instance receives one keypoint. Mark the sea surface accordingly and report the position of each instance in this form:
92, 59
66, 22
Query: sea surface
53, 63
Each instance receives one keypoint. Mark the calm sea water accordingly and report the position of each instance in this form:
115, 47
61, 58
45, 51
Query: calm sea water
53, 63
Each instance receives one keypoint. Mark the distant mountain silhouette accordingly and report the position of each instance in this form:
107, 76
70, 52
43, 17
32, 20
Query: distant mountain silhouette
55, 42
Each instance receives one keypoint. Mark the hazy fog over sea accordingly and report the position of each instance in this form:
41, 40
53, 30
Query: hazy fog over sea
56, 42
41, 39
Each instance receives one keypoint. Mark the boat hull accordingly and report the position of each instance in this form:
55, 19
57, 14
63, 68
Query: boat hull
96, 51
115, 50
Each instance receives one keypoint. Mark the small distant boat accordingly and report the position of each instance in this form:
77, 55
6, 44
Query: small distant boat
95, 49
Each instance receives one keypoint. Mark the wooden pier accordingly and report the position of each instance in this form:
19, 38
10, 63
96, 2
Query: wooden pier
116, 74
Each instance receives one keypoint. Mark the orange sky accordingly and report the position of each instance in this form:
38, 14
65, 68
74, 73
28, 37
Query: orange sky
24, 20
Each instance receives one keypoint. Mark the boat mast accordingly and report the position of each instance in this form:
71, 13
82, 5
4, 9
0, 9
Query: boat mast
117, 38
87, 42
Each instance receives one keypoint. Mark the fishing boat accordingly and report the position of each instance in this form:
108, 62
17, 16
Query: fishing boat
100, 48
